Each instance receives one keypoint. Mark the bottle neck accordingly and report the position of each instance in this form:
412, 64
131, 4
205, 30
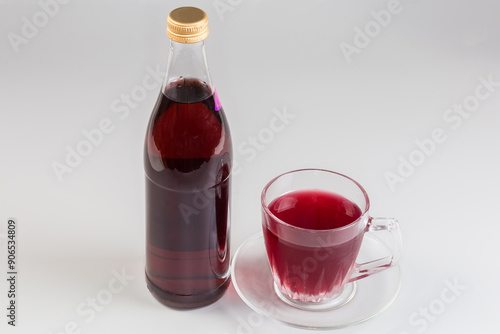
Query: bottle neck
187, 61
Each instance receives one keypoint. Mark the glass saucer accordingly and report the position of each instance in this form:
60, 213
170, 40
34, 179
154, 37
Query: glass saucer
368, 297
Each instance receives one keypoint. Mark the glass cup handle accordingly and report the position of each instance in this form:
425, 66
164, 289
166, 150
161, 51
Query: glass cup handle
391, 225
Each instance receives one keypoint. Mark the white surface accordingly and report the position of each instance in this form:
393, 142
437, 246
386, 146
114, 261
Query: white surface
356, 118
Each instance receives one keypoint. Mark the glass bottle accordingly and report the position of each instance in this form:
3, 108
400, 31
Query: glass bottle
187, 159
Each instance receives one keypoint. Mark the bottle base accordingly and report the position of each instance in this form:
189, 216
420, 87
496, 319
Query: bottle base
185, 302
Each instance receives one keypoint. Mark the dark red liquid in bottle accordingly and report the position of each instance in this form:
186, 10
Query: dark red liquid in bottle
187, 161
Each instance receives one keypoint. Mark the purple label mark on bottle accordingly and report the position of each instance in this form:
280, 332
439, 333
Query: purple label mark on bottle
218, 105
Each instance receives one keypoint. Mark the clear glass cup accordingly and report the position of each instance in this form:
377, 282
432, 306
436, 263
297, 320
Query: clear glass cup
317, 268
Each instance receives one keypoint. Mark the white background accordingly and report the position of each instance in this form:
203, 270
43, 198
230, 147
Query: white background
358, 115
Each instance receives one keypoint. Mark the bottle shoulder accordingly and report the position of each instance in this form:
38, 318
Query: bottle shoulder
187, 141
188, 130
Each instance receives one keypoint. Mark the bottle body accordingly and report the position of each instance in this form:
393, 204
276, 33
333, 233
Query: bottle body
188, 160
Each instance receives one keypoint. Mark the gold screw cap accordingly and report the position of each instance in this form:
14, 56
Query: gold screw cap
187, 25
